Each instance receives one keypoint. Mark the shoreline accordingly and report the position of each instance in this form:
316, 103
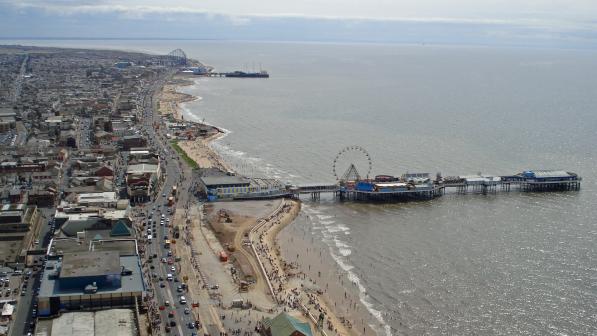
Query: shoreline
292, 282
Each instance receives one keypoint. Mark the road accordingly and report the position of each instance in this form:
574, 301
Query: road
180, 175
23, 318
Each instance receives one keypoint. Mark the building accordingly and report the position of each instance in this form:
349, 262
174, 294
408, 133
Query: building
107, 199
141, 181
132, 141
224, 186
7, 119
227, 186
286, 325
91, 279
110, 322
545, 180
18, 218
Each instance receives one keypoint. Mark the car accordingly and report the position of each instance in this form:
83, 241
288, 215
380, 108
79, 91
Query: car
183, 300
214, 286
164, 260
170, 261
179, 289
173, 269
167, 303
171, 314
172, 323
187, 311
168, 328
191, 325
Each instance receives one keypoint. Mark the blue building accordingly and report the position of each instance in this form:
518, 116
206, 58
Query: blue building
90, 280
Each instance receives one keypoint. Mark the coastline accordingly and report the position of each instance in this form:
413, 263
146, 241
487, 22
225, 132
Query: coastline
170, 98
294, 284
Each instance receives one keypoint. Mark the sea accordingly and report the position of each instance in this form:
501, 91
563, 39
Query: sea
508, 263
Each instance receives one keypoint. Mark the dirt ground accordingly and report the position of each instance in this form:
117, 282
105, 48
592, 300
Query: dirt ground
232, 230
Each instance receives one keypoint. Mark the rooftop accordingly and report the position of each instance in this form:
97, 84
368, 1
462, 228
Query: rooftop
130, 283
284, 324
224, 180
142, 168
83, 264
111, 322
109, 196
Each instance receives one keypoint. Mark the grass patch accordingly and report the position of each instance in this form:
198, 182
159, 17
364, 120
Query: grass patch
184, 155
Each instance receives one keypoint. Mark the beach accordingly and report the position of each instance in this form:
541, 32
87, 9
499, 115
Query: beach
170, 98
301, 278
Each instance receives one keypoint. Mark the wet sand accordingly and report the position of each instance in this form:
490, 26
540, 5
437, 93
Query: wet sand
311, 260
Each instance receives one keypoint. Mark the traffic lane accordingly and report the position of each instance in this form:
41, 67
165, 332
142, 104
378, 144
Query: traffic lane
24, 321
173, 175
159, 202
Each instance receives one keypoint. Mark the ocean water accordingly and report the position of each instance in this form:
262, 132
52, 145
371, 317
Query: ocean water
510, 263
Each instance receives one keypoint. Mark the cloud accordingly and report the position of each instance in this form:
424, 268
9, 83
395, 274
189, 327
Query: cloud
545, 14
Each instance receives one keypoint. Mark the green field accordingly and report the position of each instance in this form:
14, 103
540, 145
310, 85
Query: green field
184, 155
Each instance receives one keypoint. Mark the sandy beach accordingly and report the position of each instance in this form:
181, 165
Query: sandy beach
170, 99
200, 151
303, 280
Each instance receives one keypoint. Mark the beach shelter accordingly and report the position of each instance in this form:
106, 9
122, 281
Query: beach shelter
286, 325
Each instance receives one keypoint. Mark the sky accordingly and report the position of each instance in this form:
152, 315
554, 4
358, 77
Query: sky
559, 23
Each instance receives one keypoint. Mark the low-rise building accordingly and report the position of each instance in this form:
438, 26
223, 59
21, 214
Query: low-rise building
90, 280
142, 180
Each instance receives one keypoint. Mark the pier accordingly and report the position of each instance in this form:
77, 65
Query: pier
411, 187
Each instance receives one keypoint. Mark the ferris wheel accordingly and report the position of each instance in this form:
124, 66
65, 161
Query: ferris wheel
354, 159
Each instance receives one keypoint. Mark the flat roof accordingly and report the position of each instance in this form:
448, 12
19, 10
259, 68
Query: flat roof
550, 173
142, 168
129, 283
110, 322
108, 196
82, 264
224, 180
